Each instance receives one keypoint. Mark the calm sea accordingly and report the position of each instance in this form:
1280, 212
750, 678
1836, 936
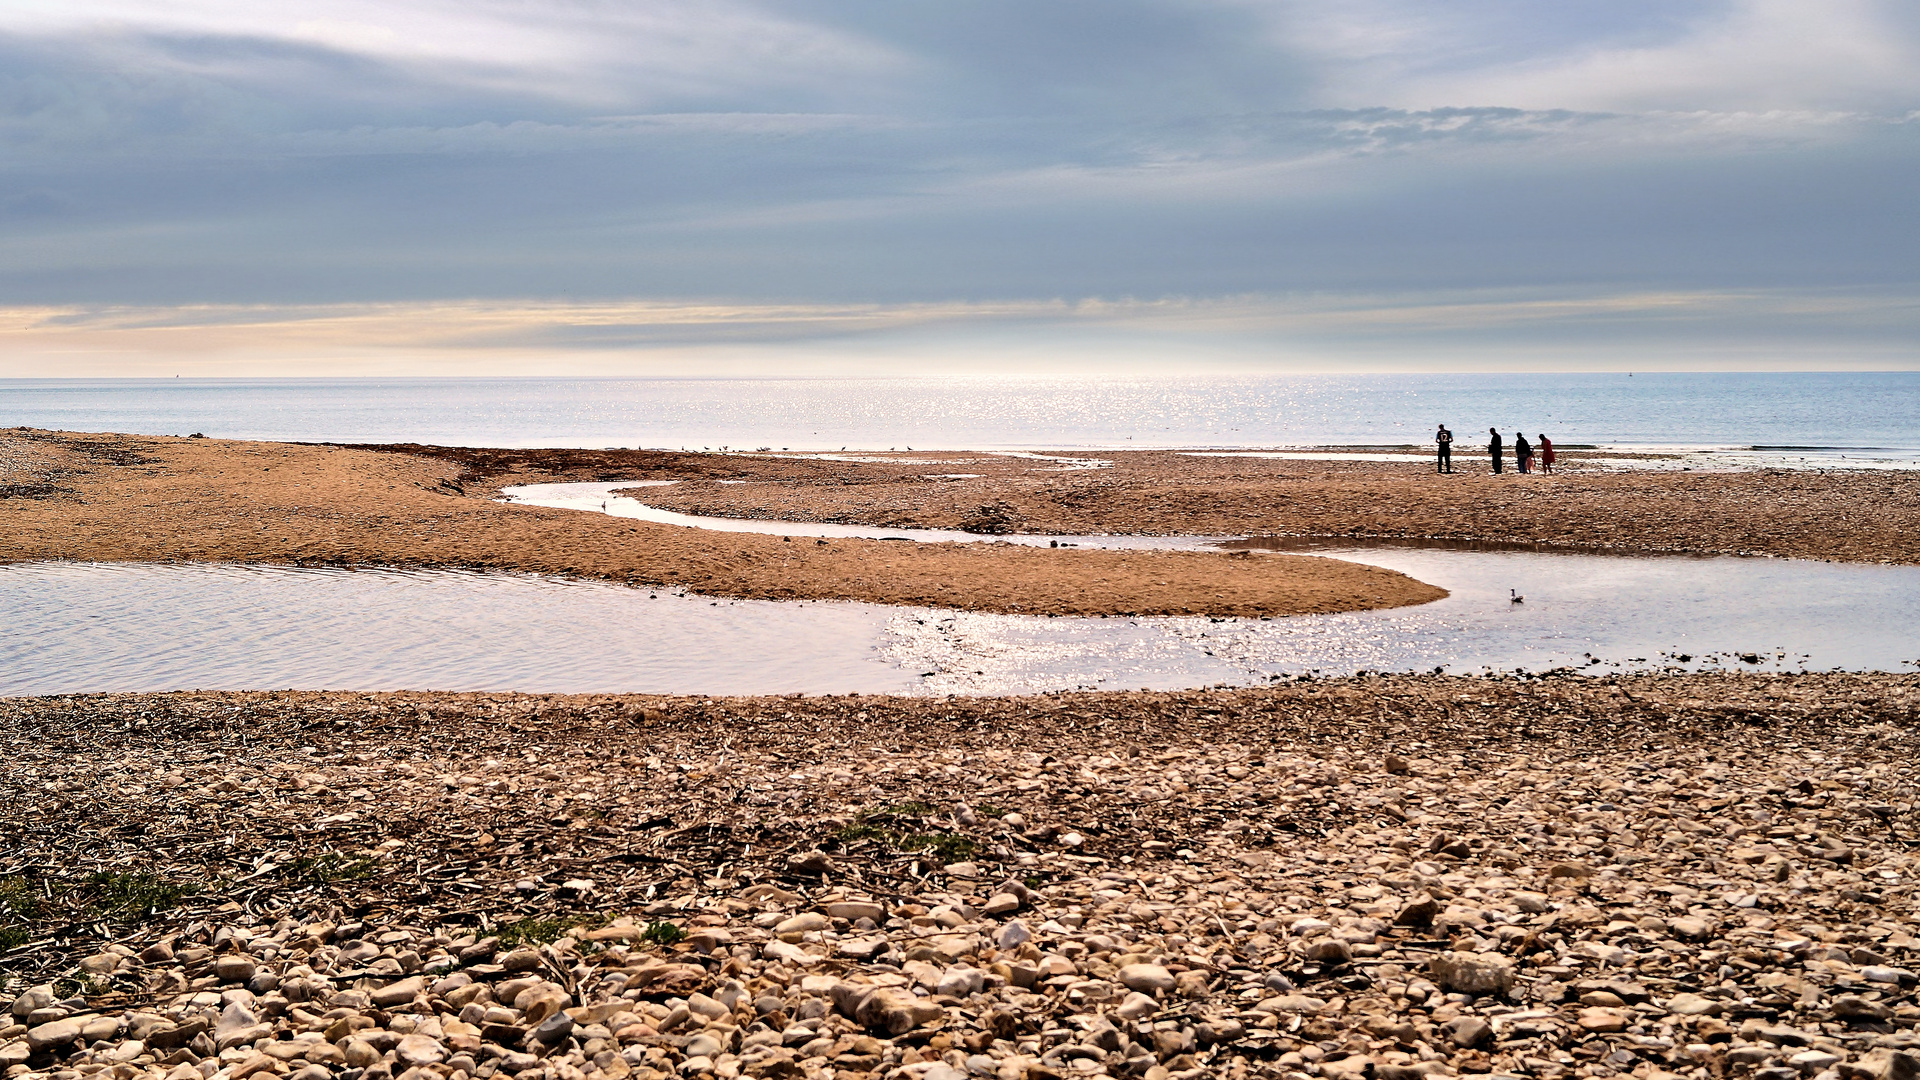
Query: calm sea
1870, 410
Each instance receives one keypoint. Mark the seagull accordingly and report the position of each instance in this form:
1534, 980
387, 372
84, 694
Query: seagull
1514, 597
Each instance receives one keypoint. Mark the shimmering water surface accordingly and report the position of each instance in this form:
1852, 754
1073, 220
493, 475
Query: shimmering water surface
71, 628
1802, 417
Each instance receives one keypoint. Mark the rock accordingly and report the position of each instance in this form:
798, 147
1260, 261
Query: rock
51, 1036
1419, 911
804, 923
1395, 765
1146, 978
1882, 1064
855, 910
1604, 1021
416, 1050
1013, 935
1468, 1032
1813, 1061
234, 968
1690, 928
520, 960
1473, 973
1001, 904
399, 993
1137, 1006
26, 1004
553, 1029
14, 1053
1329, 951
1851, 1007
1694, 1005
1882, 974
896, 1011
810, 862
101, 963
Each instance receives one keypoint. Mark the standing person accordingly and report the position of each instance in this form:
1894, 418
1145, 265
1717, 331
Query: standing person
1493, 448
1522, 452
1444, 439
1546, 453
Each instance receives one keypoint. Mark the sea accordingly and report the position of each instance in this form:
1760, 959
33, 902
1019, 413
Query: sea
1838, 418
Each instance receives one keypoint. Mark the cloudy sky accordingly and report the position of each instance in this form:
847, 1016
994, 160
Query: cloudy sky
227, 187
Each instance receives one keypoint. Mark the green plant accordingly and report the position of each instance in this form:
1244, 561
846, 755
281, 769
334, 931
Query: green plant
663, 933
951, 847
331, 866
990, 810
17, 895
12, 937
533, 931
910, 808
134, 893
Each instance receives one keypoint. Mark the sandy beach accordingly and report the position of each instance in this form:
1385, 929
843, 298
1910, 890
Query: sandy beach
139, 499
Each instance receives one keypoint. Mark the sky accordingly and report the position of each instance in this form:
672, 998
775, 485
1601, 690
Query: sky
217, 187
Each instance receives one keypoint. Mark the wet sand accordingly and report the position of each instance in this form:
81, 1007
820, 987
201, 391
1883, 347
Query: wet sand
113, 498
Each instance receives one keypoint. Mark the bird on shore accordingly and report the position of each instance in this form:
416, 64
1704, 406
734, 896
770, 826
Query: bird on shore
1514, 597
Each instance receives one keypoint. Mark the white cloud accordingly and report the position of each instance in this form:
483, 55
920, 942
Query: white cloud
1752, 56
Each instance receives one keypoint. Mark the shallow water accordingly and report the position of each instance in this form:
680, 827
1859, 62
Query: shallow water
77, 627
1594, 613
85, 627
599, 498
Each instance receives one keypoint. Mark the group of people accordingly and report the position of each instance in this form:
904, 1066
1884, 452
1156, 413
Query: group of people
1524, 453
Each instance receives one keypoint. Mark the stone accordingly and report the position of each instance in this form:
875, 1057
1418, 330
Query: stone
810, 862
1137, 1006
1012, 935
40, 997
896, 1011
14, 1053
1395, 765
1851, 1007
855, 910
1146, 978
416, 1050
1690, 928
1694, 1005
1604, 1021
520, 960
234, 968
1882, 1064
804, 923
1329, 951
1001, 904
399, 993
1419, 911
1473, 973
553, 1029
1468, 1032
56, 1034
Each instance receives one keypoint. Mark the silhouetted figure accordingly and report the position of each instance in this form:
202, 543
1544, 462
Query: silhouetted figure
1444, 439
1522, 451
1494, 446
1546, 453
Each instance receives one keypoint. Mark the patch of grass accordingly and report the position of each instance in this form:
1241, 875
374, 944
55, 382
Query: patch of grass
134, 893
331, 866
12, 937
19, 898
863, 831
990, 810
910, 808
951, 847
663, 934
542, 931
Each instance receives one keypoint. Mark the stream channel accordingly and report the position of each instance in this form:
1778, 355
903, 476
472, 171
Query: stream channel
80, 627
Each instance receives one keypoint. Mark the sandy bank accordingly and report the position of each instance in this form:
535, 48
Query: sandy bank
139, 499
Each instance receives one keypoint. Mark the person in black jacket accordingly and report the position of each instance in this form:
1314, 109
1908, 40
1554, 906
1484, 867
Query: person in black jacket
1522, 452
1493, 448
1444, 438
